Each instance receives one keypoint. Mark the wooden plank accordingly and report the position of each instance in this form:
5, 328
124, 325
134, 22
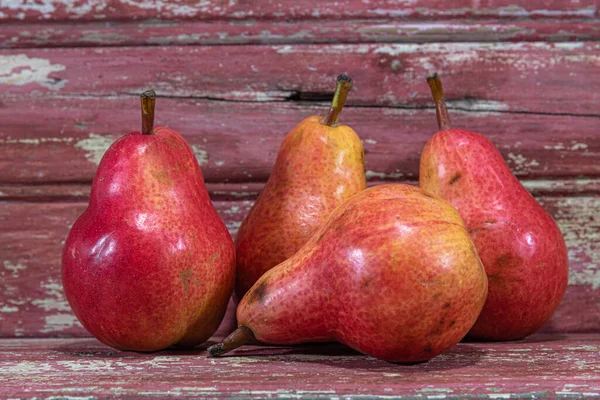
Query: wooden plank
287, 9
543, 366
32, 234
117, 33
238, 142
560, 78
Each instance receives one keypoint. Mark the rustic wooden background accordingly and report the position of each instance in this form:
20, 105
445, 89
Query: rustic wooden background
235, 76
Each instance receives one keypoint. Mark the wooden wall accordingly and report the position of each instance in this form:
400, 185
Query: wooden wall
235, 76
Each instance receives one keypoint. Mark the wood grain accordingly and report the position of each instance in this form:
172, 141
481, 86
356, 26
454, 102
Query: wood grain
222, 32
291, 10
547, 78
543, 366
32, 233
238, 142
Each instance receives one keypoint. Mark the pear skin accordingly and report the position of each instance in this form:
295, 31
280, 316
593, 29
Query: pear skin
520, 245
320, 164
392, 273
150, 263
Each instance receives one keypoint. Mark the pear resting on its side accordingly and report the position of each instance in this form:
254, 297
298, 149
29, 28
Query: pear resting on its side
391, 273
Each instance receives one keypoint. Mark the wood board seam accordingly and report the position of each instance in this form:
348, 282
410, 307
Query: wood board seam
292, 98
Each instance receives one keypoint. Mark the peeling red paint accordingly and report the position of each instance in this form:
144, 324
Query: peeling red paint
68, 146
303, 9
227, 32
542, 366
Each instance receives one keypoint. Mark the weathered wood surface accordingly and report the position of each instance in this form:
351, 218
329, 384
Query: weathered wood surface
507, 77
33, 229
238, 142
169, 33
15, 10
542, 366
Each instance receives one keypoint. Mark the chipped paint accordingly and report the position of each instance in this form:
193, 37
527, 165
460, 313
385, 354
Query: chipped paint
14, 268
54, 299
99, 37
519, 164
328, 49
233, 210
26, 367
59, 322
589, 277
201, 154
258, 96
557, 146
20, 70
35, 141
574, 146
395, 49
46, 8
579, 222
95, 146
578, 146
8, 309
512, 10
428, 390
383, 175
478, 105
577, 348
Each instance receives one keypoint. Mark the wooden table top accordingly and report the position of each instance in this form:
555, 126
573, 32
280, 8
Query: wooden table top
542, 366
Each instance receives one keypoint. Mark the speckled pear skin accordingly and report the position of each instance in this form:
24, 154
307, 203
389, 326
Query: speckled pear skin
522, 248
318, 168
150, 263
391, 273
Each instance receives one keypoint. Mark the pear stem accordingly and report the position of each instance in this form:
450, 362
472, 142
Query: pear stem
437, 91
343, 86
148, 100
237, 338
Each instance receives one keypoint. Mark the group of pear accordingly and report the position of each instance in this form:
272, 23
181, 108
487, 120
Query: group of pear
395, 271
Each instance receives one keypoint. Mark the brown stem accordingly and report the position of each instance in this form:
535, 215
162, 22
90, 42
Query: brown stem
148, 100
437, 91
344, 84
237, 338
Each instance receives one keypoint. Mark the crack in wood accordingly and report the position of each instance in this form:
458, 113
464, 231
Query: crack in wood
312, 98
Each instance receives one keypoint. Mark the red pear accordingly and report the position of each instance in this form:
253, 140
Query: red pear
520, 245
149, 264
320, 164
391, 273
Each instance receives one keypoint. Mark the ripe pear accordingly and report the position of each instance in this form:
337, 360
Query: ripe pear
149, 264
320, 164
522, 248
392, 273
